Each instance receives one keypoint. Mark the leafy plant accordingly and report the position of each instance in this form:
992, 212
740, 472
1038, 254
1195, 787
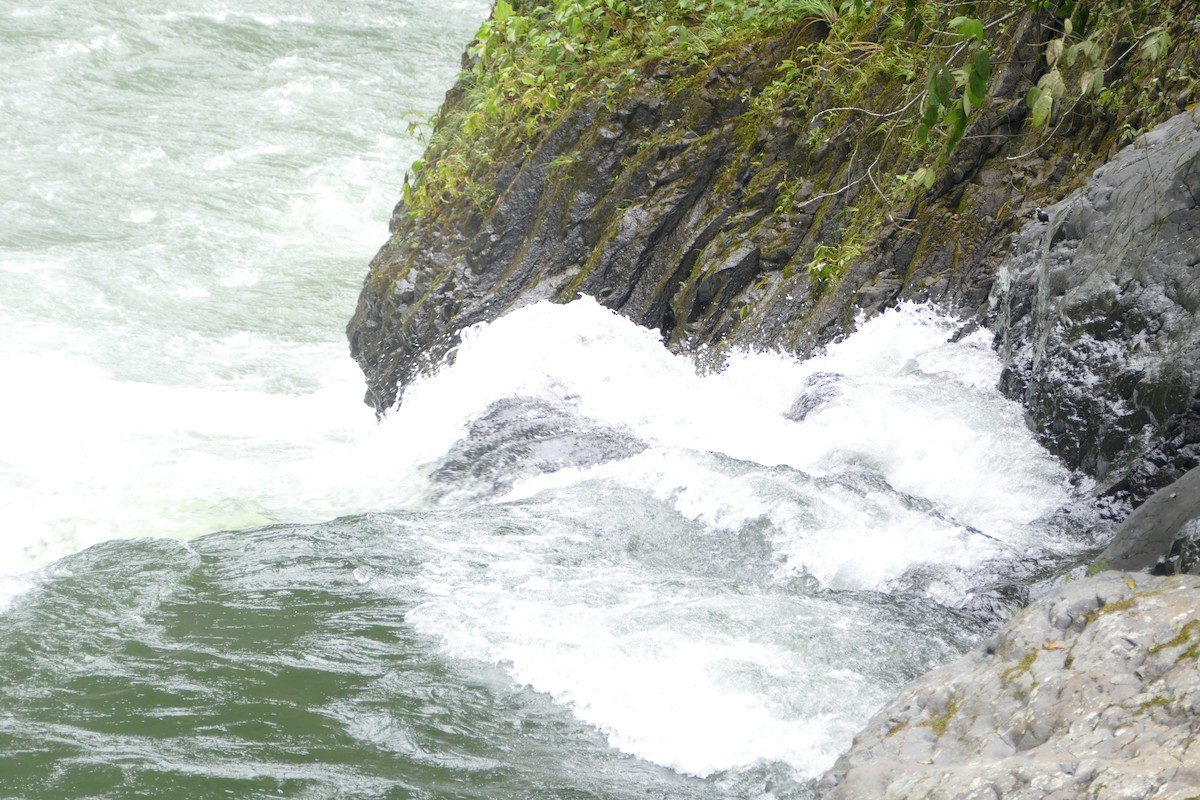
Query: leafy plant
830, 262
533, 60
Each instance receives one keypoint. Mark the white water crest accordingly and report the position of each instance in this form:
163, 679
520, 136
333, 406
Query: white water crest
189, 199
689, 596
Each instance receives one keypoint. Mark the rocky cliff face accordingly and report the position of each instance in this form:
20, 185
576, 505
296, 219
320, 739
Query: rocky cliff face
703, 201
1096, 316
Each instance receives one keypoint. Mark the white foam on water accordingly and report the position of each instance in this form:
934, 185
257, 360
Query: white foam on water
692, 679
173, 298
920, 410
852, 495
225, 15
90, 457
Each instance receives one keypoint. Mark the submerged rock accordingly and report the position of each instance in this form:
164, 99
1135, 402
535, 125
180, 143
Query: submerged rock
520, 437
1093, 691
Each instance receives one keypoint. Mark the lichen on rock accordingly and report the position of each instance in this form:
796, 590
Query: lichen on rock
1092, 691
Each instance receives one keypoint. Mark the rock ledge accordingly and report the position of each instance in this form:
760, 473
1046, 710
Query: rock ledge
1093, 691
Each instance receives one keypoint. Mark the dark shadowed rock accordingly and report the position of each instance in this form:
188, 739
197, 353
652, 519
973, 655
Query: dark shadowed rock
1163, 534
818, 391
1096, 316
520, 437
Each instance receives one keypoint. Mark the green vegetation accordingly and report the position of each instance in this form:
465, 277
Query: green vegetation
896, 87
1181, 638
529, 63
829, 263
1157, 701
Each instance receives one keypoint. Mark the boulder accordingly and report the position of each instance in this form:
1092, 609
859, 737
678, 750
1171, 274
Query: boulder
1163, 534
1095, 313
1092, 691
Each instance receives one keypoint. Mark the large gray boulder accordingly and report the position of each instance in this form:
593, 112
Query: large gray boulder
1163, 534
1093, 691
1096, 316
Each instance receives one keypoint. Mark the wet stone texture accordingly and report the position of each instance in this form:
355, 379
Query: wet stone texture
1163, 534
1091, 692
1095, 313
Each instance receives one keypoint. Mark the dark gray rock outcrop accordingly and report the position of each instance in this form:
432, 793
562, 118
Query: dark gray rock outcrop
519, 437
1093, 691
689, 204
1163, 534
1096, 316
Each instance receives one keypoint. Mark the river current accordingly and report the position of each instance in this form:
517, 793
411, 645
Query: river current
571, 565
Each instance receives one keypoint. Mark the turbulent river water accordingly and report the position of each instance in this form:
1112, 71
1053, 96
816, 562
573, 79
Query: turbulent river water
572, 565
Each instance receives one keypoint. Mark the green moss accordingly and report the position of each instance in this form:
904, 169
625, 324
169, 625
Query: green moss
1020, 668
1155, 702
939, 723
1184, 635
1119, 605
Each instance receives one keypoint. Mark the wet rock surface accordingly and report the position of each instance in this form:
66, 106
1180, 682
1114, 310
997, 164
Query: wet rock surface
1096, 316
1163, 534
520, 437
1092, 691
686, 208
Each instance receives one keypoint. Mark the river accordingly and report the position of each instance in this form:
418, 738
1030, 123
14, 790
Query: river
572, 565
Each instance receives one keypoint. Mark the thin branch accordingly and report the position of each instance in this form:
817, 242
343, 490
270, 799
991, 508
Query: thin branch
868, 112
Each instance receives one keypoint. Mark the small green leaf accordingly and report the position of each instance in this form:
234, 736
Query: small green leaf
977, 86
1054, 51
1041, 107
1053, 82
943, 85
983, 63
933, 111
1073, 53
1157, 44
968, 27
932, 98
925, 176
1091, 82
956, 122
